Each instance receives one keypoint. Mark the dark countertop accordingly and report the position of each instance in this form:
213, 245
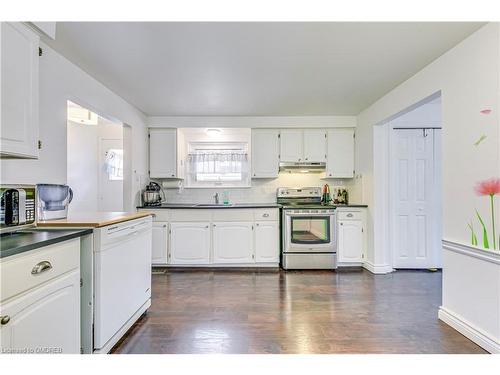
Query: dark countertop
245, 205
211, 206
30, 239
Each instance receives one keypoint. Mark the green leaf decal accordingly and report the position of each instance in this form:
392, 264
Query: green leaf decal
473, 235
481, 138
486, 243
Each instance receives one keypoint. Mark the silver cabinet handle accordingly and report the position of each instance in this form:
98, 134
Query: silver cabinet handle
41, 267
265, 215
349, 215
4, 319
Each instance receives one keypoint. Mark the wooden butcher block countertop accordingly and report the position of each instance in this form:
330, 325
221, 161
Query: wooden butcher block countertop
91, 219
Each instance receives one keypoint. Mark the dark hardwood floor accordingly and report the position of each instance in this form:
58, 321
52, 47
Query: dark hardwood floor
205, 311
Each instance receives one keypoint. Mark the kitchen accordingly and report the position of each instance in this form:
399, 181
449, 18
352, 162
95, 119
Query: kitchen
236, 230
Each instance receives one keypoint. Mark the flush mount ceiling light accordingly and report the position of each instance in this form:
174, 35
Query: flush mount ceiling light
213, 131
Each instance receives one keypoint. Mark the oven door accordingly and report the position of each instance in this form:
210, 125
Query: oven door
309, 232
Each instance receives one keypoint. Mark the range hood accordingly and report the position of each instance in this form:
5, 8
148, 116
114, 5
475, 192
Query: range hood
302, 167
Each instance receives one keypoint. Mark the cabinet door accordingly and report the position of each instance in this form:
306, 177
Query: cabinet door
291, 146
266, 241
19, 91
340, 153
315, 145
265, 153
48, 317
350, 234
189, 243
160, 236
163, 153
233, 242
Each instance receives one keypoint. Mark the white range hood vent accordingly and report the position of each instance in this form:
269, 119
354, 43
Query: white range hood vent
302, 167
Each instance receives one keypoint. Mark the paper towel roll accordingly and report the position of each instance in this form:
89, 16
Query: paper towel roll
175, 184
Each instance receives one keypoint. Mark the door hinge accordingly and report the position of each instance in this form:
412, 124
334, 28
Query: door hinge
252, 227
170, 231
40, 51
362, 230
253, 256
354, 135
81, 350
39, 144
279, 135
325, 135
81, 283
362, 256
149, 135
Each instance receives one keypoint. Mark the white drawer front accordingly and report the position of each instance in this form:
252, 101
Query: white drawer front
186, 214
28, 270
158, 215
232, 214
351, 215
265, 214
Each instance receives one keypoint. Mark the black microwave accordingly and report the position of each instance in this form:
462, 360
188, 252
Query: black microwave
18, 207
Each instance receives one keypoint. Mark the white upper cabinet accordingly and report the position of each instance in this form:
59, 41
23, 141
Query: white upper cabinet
189, 243
291, 146
315, 145
165, 159
265, 153
19, 91
303, 145
266, 241
233, 242
340, 159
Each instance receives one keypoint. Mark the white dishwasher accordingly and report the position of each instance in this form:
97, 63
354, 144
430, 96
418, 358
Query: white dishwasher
122, 275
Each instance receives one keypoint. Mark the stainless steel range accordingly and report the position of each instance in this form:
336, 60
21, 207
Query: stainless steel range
309, 238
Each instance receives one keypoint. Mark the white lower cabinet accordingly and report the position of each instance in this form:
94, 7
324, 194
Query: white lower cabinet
189, 243
266, 241
46, 319
233, 242
160, 243
351, 241
40, 300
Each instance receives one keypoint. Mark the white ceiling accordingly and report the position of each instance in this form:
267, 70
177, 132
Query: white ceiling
259, 69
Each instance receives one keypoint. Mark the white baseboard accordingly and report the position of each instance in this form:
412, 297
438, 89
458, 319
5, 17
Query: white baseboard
377, 268
468, 330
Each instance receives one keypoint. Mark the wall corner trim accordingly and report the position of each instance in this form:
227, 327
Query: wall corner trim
377, 268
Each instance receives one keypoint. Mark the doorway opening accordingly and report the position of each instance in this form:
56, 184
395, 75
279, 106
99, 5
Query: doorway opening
408, 177
95, 160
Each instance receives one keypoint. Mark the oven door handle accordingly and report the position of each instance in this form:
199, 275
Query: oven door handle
310, 214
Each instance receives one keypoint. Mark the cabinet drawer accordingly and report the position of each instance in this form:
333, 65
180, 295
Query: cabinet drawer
190, 215
265, 214
351, 215
158, 215
232, 214
20, 273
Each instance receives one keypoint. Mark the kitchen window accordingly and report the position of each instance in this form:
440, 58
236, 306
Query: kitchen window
218, 165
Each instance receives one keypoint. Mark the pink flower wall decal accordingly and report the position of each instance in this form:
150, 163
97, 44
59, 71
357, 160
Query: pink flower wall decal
488, 187
485, 111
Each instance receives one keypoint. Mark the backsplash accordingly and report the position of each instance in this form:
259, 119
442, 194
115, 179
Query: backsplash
262, 190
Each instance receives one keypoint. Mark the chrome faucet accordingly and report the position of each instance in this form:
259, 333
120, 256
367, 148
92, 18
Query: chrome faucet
216, 198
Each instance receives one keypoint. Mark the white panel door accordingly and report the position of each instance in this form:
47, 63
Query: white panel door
265, 153
189, 243
160, 241
340, 153
19, 90
163, 153
233, 242
266, 242
47, 317
413, 182
350, 240
291, 146
315, 145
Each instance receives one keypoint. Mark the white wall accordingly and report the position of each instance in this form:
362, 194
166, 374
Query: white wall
468, 78
252, 121
61, 80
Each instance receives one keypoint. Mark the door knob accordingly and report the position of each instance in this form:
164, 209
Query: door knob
4, 320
